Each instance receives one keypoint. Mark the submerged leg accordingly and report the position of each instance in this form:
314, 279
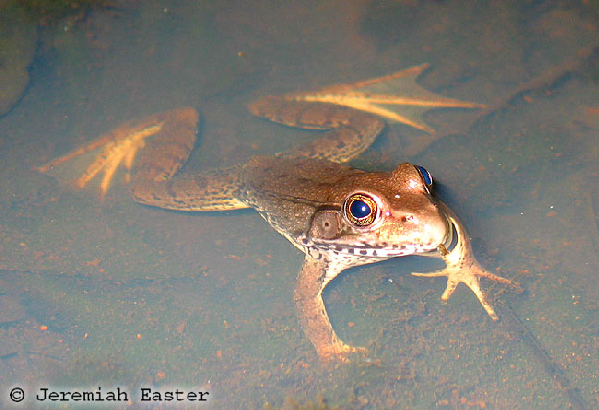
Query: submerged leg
311, 280
355, 113
350, 133
153, 150
463, 267
214, 190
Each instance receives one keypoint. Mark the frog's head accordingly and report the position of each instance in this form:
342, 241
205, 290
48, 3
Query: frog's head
384, 216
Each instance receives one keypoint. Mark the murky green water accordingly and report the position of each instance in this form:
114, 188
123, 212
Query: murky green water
110, 293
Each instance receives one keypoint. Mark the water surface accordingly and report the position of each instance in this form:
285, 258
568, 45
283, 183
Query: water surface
111, 293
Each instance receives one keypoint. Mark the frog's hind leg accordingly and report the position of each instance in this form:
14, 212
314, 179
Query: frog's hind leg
214, 190
152, 181
355, 112
350, 133
175, 131
152, 150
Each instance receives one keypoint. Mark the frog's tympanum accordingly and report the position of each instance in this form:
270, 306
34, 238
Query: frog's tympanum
337, 215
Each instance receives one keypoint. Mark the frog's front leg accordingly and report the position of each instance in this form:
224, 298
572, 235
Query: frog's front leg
315, 274
463, 267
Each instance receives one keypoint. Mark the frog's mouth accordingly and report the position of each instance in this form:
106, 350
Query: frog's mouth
367, 251
431, 239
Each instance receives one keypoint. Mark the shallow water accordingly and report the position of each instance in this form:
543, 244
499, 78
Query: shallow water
110, 293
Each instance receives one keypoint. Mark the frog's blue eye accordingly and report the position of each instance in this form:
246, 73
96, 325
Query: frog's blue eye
360, 209
426, 176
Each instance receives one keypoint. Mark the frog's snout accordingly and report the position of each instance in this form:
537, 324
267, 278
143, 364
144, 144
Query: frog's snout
444, 229
436, 228
428, 227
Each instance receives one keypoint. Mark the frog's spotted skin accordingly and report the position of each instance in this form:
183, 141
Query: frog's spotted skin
338, 216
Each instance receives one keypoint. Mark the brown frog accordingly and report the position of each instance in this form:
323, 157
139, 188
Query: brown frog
338, 216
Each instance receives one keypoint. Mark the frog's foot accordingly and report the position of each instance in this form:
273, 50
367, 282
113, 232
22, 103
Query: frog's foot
463, 267
396, 97
469, 275
354, 113
121, 145
337, 352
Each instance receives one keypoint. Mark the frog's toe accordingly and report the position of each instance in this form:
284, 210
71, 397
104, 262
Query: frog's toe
119, 147
103, 154
338, 352
358, 349
471, 278
452, 282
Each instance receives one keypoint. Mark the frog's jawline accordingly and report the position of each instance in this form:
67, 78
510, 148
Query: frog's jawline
374, 252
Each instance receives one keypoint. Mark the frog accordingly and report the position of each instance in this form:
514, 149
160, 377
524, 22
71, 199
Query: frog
338, 216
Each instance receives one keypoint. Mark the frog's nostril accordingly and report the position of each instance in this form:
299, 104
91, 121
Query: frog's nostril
407, 218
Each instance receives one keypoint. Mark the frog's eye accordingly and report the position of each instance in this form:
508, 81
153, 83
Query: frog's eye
426, 176
360, 209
